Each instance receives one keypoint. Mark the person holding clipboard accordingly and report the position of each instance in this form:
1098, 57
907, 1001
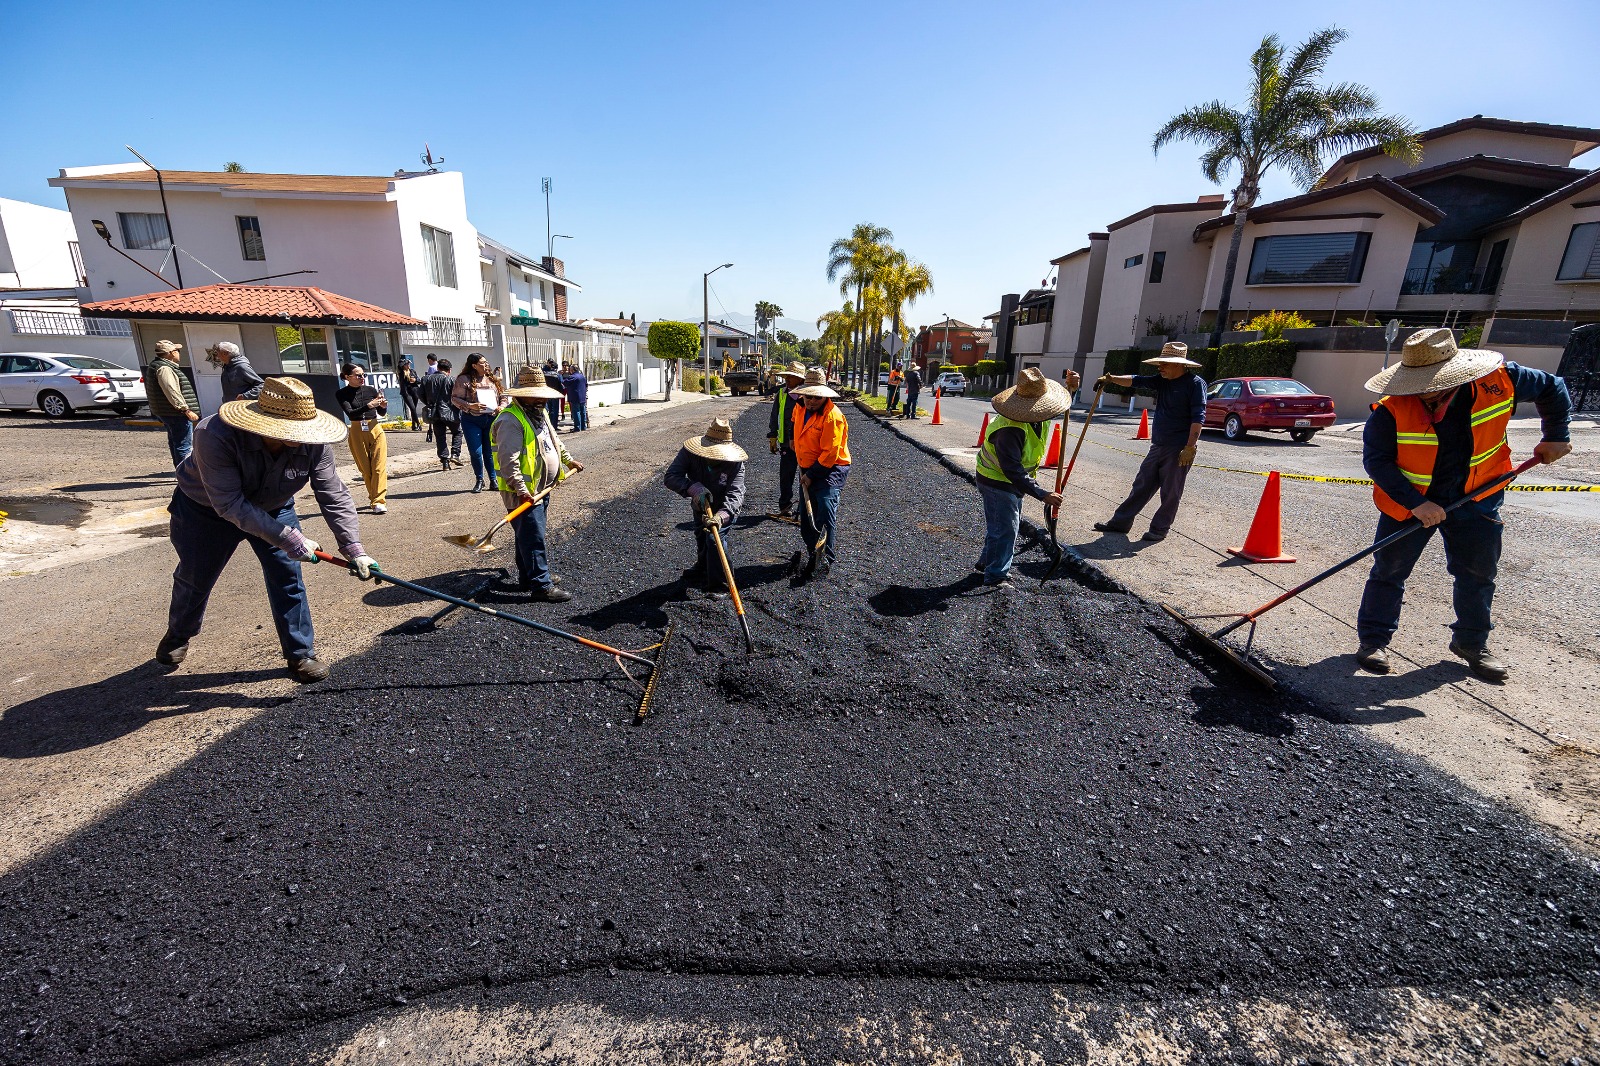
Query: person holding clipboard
479, 396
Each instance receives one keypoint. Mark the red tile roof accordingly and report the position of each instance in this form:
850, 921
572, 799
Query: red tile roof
289, 304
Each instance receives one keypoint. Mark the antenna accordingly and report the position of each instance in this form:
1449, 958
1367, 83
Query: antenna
427, 159
549, 242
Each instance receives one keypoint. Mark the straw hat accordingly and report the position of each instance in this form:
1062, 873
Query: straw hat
1430, 362
168, 347
794, 370
1034, 398
284, 411
717, 444
1173, 353
530, 386
816, 384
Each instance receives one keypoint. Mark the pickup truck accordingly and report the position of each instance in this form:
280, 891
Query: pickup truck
743, 380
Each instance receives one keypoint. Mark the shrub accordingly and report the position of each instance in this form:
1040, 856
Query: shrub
987, 368
1470, 337
674, 340
1263, 358
1272, 324
949, 368
693, 377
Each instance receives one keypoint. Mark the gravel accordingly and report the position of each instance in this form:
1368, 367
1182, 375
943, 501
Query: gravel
913, 777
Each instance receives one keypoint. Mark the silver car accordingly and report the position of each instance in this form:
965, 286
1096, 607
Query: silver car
60, 384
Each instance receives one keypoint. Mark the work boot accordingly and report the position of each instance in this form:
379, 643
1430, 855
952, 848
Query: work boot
550, 595
1373, 659
1152, 535
479, 486
171, 651
307, 671
456, 460
1482, 661
1107, 527
444, 466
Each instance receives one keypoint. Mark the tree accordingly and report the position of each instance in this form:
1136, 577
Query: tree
766, 314
1290, 121
785, 337
853, 263
904, 281
233, 168
672, 342
837, 327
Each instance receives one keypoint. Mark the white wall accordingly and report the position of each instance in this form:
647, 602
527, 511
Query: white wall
33, 247
1528, 280
1551, 150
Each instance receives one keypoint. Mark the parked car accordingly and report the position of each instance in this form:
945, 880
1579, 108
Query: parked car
1238, 405
883, 377
61, 384
951, 383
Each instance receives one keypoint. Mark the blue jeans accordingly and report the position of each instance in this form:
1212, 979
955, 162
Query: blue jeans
476, 429
552, 408
533, 564
180, 437
1472, 556
580, 415
1002, 516
205, 541
825, 510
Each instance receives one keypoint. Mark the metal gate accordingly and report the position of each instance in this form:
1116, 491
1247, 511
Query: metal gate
1580, 366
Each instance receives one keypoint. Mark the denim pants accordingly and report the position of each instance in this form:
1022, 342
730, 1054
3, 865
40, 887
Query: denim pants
825, 510
552, 408
911, 405
476, 429
580, 415
706, 560
180, 437
1472, 557
1002, 516
1159, 472
788, 470
440, 429
205, 541
533, 564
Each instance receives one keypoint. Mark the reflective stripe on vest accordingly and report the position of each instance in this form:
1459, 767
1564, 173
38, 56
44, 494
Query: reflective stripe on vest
531, 459
1033, 444
1417, 444
783, 423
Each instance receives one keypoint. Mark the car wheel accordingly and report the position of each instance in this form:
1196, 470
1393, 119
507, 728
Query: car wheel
1303, 436
125, 409
1233, 428
54, 405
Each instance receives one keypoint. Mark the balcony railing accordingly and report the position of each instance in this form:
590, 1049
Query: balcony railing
1426, 281
464, 337
67, 324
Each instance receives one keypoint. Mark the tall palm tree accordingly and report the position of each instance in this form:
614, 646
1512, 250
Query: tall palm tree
837, 327
904, 281
852, 262
1290, 121
767, 313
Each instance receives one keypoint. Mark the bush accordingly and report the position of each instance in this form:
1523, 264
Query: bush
883, 368
987, 368
1272, 324
949, 368
1470, 337
1257, 359
693, 377
674, 340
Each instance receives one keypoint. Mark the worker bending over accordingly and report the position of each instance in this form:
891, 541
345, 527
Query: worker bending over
1438, 434
708, 471
822, 452
529, 458
1008, 462
1174, 434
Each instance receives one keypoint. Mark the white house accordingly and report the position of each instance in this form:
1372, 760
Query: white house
40, 278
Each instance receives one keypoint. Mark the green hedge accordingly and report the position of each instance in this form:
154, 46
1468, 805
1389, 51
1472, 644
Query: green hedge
987, 368
1258, 358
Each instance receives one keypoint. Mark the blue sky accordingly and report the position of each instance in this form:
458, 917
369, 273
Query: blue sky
989, 137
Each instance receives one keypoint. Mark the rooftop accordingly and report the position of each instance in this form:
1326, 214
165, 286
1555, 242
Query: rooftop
1583, 137
225, 182
1407, 199
278, 304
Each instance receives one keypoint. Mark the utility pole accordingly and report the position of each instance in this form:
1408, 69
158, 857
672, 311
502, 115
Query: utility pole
549, 245
705, 323
161, 187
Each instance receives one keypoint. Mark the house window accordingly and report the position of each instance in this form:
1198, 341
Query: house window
439, 249
966, 347
1158, 264
445, 330
141, 230
1582, 259
1308, 259
1133, 261
250, 238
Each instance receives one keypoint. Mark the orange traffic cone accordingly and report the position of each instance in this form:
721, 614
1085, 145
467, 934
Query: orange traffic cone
1144, 426
982, 430
1264, 543
1052, 454
935, 420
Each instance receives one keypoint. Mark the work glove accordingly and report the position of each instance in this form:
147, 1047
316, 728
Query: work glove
308, 551
1186, 456
364, 565
698, 494
772, 445
723, 519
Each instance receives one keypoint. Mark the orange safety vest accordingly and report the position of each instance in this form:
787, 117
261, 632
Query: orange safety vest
1417, 445
823, 438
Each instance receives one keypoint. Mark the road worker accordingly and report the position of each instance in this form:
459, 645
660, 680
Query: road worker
1174, 435
1008, 462
528, 459
708, 471
780, 436
822, 452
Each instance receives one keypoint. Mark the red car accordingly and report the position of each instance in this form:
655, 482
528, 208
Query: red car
1238, 405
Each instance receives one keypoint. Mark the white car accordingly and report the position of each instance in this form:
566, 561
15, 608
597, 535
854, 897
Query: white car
951, 384
60, 384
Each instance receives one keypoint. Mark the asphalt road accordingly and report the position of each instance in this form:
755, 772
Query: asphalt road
914, 785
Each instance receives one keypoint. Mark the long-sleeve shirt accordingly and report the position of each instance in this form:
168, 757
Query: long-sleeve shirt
232, 472
913, 383
240, 380
357, 402
576, 386
1379, 451
724, 480
465, 392
508, 444
1008, 442
436, 389
822, 451
1180, 404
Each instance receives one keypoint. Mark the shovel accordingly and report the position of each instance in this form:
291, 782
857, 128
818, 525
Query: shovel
1242, 659
815, 550
727, 575
481, 545
1061, 482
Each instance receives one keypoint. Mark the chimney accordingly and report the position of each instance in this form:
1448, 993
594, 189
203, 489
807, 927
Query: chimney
1212, 198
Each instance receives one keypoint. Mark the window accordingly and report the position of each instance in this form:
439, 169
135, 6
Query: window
1582, 259
1224, 390
445, 330
1158, 265
966, 347
1279, 387
1308, 259
140, 230
250, 238
1133, 261
439, 249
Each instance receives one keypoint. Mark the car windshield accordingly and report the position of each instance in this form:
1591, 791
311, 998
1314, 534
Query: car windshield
86, 362
1279, 387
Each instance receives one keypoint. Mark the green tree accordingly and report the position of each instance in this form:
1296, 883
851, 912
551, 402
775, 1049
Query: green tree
904, 281
853, 262
233, 168
767, 313
672, 342
785, 337
1290, 121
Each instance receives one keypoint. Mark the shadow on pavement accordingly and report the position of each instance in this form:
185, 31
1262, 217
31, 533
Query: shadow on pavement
643, 608
1373, 699
72, 719
904, 601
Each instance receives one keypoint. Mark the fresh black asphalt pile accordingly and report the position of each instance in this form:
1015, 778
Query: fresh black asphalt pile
912, 777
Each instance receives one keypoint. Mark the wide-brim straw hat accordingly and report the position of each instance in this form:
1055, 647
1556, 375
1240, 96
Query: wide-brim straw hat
1173, 353
285, 410
1034, 398
815, 384
1430, 362
530, 386
793, 370
716, 443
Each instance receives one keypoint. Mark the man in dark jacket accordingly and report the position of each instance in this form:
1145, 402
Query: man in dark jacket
441, 414
913, 390
576, 385
1174, 434
239, 379
780, 436
552, 379
709, 472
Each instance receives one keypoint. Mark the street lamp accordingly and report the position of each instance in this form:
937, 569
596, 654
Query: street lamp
947, 340
161, 187
551, 244
705, 321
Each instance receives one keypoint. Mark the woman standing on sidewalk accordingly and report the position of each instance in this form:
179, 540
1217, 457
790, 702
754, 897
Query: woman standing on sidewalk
410, 392
366, 409
478, 395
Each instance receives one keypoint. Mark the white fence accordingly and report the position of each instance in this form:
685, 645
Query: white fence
66, 324
601, 361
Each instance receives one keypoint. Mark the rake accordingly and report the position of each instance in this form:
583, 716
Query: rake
1241, 659
727, 574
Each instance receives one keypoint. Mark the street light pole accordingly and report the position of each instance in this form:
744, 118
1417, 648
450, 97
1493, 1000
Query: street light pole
705, 323
161, 187
947, 352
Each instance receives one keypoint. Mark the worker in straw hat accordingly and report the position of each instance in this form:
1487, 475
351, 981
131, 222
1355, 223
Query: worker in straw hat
1438, 434
529, 458
249, 460
822, 453
780, 436
708, 471
1008, 462
1180, 396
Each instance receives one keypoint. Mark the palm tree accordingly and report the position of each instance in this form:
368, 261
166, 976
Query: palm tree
837, 328
904, 281
767, 313
1290, 121
852, 262
233, 168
